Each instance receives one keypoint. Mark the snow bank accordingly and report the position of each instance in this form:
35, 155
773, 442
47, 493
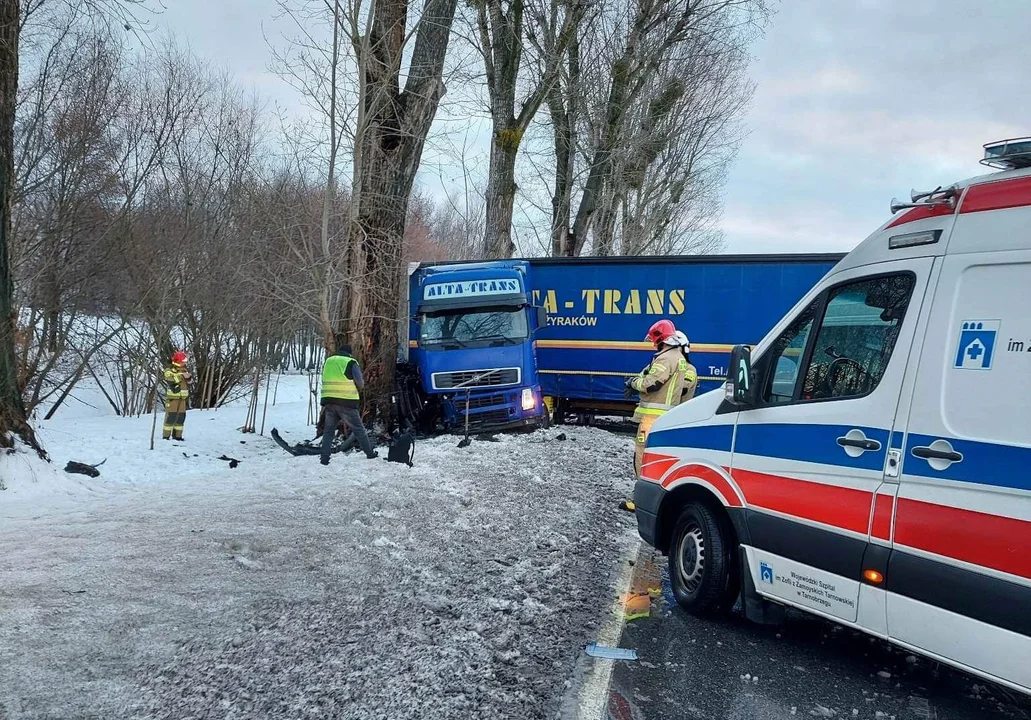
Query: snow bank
466, 586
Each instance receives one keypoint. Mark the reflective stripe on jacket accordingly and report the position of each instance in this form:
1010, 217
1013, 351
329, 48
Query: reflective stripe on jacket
335, 383
690, 383
669, 370
175, 383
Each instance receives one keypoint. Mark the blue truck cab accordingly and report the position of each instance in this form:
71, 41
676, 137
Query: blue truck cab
471, 336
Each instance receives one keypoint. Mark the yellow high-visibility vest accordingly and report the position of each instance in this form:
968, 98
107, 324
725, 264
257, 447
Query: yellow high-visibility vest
335, 383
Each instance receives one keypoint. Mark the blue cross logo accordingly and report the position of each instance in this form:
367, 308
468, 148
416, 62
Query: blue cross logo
976, 346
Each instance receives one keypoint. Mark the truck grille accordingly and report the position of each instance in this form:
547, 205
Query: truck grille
449, 380
491, 417
483, 401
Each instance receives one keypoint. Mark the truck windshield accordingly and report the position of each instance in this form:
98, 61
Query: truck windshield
474, 326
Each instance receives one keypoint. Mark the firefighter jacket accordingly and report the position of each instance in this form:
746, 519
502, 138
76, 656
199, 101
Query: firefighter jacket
176, 383
340, 381
690, 383
661, 384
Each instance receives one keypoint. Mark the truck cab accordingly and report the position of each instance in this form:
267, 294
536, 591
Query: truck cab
867, 460
471, 337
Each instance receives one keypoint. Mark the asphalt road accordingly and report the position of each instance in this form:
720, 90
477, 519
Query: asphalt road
693, 669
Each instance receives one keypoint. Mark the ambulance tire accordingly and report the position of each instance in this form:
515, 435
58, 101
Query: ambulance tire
701, 562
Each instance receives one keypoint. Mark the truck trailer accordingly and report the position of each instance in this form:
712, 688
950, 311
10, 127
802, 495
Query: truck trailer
513, 343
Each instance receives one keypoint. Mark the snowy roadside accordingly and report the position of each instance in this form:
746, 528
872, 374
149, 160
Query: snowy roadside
466, 586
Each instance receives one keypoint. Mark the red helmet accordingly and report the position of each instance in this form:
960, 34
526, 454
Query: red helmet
178, 358
660, 331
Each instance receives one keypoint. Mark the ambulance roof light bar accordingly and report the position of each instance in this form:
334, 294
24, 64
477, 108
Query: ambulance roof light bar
1012, 154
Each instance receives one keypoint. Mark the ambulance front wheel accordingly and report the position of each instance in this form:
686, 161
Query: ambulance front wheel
701, 562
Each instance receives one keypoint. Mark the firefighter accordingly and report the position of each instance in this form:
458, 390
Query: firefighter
341, 384
660, 385
691, 376
177, 392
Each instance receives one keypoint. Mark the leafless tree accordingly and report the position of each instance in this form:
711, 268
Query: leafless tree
648, 99
15, 19
392, 125
522, 43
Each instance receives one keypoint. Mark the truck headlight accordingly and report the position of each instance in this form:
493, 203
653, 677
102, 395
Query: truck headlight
529, 400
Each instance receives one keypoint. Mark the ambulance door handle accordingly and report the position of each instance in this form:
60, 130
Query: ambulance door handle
861, 444
927, 453
855, 443
939, 454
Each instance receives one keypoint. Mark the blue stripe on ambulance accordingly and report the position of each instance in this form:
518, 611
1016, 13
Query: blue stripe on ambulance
998, 465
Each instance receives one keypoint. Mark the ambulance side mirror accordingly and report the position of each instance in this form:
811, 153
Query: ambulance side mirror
740, 388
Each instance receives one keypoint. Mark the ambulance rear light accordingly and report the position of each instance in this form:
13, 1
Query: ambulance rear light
1012, 154
927, 237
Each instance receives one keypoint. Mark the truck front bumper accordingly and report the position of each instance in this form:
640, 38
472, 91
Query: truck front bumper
647, 500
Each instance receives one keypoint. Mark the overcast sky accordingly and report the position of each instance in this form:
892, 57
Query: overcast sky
856, 101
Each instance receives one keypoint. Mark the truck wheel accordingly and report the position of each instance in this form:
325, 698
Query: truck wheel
701, 562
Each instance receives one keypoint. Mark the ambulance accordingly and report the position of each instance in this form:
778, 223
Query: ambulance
869, 461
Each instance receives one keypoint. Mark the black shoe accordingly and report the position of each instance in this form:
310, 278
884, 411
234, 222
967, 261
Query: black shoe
166, 438
323, 461
180, 440
373, 455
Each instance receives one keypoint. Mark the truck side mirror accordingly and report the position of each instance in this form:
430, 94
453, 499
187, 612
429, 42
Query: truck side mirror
740, 389
542, 317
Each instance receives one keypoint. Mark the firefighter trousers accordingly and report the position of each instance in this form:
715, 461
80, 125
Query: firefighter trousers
643, 429
175, 418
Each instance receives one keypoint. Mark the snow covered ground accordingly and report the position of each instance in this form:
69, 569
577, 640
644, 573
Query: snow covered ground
173, 586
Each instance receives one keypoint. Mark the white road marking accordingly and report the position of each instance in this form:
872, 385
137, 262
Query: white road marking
594, 692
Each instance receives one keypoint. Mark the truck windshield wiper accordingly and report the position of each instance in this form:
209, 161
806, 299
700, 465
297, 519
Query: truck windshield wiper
453, 341
496, 338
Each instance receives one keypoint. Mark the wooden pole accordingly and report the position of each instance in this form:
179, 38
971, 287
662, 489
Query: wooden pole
154, 421
264, 411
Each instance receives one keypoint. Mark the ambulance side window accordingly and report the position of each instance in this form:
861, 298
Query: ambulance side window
856, 337
786, 357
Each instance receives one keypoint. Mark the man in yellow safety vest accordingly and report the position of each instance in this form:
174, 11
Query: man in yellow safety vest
341, 384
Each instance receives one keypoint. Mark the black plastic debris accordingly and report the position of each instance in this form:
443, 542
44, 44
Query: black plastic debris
79, 468
233, 462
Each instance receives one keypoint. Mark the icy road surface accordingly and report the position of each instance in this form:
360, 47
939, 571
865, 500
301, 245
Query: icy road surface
464, 587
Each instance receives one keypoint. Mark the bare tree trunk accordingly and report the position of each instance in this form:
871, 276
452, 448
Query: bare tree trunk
391, 134
12, 409
500, 28
329, 197
564, 112
501, 190
605, 230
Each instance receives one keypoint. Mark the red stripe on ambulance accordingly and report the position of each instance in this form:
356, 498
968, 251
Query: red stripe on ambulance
997, 195
706, 474
882, 510
654, 465
920, 213
991, 541
844, 508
